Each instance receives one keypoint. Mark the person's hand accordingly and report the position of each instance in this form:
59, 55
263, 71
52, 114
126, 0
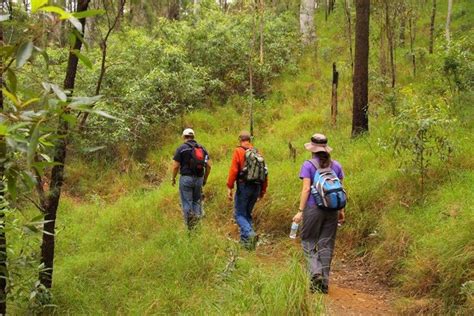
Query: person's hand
173, 181
298, 217
230, 194
342, 217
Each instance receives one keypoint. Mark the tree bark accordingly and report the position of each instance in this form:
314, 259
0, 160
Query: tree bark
432, 26
50, 205
412, 43
195, 7
383, 51
335, 82
347, 11
262, 26
390, 36
3, 238
307, 22
360, 120
448, 22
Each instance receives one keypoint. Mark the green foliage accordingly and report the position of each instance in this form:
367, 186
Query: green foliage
458, 64
28, 125
421, 133
183, 65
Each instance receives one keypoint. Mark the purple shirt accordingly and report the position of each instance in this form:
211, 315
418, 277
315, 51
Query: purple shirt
308, 171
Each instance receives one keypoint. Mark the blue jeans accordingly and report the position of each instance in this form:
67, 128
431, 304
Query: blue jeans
245, 198
190, 190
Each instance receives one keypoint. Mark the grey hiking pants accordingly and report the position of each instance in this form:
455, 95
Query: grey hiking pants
318, 237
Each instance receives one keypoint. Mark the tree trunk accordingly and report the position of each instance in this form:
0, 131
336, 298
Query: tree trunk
383, 51
326, 9
173, 10
262, 26
390, 38
3, 238
57, 174
360, 120
448, 22
195, 7
335, 82
307, 22
432, 26
412, 44
347, 11
402, 32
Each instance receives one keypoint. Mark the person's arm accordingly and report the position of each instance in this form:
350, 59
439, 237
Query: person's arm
303, 199
175, 167
208, 171
341, 216
264, 188
233, 174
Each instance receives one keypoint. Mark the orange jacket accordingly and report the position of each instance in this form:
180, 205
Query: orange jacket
238, 163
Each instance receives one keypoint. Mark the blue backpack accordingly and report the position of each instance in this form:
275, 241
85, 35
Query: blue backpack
327, 189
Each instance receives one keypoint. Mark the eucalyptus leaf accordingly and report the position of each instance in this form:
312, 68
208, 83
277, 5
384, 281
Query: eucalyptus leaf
88, 13
63, 15
86, 61
36, 4
24, 53
59, 93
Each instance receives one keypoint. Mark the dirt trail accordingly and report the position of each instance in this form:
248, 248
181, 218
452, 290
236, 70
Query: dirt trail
356, 291
353, 290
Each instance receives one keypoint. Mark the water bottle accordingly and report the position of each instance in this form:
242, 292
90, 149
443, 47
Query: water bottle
316, 196
294, 230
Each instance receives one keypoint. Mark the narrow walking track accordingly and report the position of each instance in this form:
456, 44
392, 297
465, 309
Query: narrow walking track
356, 291
354, 288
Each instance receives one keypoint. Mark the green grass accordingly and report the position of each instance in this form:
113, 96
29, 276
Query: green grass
137, 258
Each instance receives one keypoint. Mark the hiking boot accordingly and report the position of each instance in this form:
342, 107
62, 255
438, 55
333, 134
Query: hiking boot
316, 284
324, 289
251, 243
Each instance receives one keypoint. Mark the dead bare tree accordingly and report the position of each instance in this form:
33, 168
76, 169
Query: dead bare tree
335, 82
432, 26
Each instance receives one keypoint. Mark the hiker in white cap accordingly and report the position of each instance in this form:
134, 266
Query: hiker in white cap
321, 208
192, 161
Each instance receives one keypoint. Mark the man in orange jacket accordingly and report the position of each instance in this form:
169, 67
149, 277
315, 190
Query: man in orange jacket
247, 194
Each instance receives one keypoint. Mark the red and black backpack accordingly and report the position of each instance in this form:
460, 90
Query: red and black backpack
198, 160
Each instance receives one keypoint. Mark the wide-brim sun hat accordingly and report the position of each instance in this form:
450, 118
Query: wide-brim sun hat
319, 143
188, 132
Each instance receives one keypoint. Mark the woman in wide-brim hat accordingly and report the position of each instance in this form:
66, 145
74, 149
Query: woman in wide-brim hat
318, 233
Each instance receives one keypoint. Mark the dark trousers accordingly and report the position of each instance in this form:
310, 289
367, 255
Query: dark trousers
245, 198
318, 237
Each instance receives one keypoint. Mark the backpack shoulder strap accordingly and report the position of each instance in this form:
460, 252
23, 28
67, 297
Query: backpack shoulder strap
187, 148
315, 163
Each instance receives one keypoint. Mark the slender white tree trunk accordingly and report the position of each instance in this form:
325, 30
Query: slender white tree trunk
448, 21
308, 33
195, 6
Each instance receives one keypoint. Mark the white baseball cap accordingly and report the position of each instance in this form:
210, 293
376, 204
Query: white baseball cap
188, 132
